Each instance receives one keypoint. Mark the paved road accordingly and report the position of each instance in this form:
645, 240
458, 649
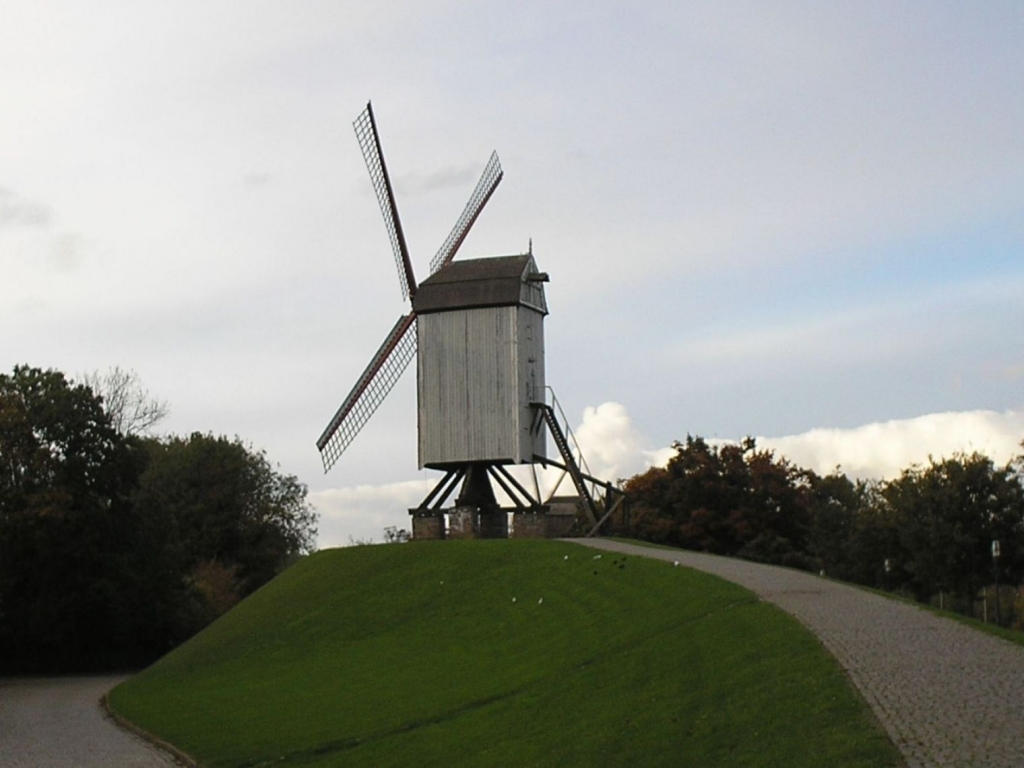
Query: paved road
947, 694
58, 723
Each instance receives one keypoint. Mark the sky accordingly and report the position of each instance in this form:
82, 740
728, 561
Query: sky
798, 221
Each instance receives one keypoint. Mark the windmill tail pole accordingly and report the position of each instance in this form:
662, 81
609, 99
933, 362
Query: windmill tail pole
597, 526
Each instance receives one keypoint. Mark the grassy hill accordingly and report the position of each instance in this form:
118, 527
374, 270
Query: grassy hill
494, 653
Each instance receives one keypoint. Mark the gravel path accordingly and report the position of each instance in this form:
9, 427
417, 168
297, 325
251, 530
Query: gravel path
947, 694
58, 723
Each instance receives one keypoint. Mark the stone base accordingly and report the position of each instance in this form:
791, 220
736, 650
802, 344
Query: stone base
562, 515
560, 526
529, 525
463, 523
494, 525
427, 527
470, 523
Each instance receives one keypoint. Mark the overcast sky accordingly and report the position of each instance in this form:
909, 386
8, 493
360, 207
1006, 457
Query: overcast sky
800, 221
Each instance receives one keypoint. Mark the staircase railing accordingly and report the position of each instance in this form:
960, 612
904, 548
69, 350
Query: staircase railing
578, 454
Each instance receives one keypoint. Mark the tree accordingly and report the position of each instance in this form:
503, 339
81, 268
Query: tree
778, 509
836, 504
132, 410
948, 514
114, 548
395, 535
648, 519
228, 506
73, 565
878, 555
729, 500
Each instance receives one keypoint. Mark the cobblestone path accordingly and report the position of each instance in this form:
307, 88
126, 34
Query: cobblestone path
948, 695
58, 723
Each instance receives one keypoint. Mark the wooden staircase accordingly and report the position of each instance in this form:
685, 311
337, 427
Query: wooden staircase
614, 498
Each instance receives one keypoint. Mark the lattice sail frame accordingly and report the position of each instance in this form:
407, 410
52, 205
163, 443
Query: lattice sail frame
380, 376
369, 142
489, 181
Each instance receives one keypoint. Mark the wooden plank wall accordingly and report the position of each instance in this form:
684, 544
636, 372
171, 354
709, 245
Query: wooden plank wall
477, 370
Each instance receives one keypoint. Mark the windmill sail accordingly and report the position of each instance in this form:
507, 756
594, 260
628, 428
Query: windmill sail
373, 386
489, 181
369, 143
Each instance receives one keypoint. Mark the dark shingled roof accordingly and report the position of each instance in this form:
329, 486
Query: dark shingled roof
490, 282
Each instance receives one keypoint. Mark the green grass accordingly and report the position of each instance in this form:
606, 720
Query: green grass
416, 654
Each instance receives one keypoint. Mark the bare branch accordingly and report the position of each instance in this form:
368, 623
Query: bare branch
132, 410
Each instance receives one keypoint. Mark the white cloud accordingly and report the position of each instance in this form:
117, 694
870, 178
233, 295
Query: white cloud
612, 446
615, 448
882, 450
15, 211
362, 512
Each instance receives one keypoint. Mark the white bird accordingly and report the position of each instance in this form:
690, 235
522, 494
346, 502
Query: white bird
675, 563
566, 557
540, 601
513, 599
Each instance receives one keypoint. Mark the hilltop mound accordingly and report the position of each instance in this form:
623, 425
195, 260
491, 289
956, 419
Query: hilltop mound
502, 653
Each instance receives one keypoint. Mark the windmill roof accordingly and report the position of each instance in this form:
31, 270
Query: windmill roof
496, 281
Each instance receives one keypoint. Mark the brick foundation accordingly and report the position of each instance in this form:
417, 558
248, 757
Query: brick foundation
463, 523
427, 527
529, 525
494, 525
559, 526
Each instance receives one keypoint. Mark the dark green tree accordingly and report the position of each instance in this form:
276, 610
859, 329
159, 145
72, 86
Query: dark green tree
878, 555
948, 514
75, 558
837, 504
237, 521
113, 549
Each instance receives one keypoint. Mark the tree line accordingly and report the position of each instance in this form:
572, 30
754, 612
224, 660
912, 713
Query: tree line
115, 546
950, 532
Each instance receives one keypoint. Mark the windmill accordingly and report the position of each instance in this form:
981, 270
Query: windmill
476, 329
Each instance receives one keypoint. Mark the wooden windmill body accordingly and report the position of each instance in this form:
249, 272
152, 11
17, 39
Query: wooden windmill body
480, 365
